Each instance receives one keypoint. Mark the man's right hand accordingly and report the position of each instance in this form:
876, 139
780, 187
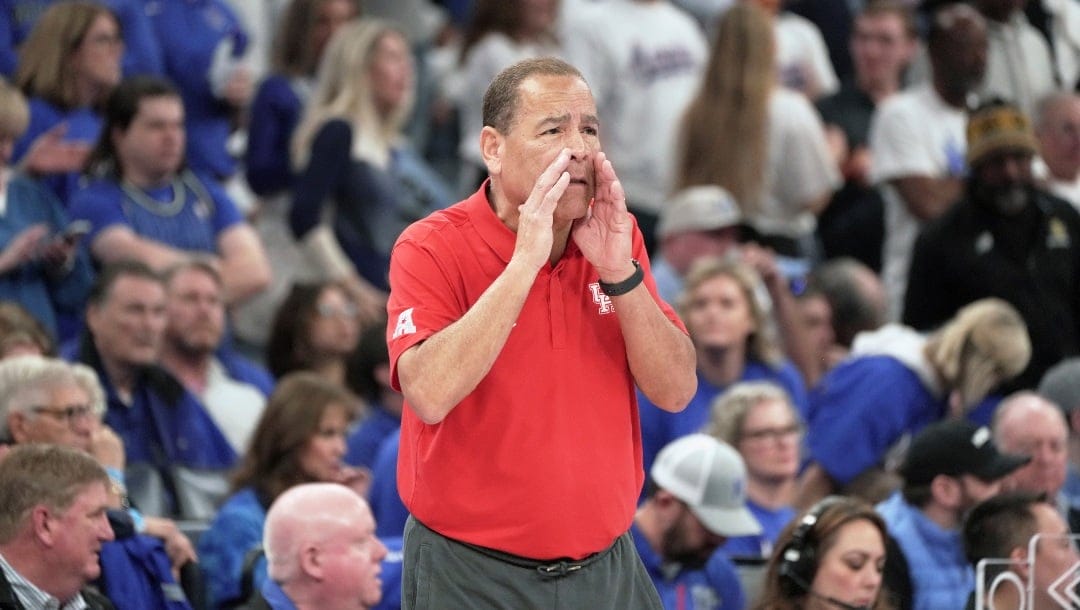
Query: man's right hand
534, 223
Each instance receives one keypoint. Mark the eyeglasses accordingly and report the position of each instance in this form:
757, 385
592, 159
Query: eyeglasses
67, 414
326, 310
778, 433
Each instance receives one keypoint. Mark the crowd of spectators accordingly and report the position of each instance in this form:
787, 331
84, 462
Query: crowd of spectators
865, 212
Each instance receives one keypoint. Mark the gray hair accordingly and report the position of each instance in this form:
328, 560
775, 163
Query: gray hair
1061, 385
26, 381
729, 410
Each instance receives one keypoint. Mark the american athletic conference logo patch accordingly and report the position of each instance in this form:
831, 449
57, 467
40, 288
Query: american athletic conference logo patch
601, 299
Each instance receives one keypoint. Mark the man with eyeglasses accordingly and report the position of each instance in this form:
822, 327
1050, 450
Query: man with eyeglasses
232, 388
950, 467
696, 499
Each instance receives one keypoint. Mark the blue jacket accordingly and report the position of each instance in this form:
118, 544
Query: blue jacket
386, 505
275, 113
365, 441
941, 577
241, 369
235, 530
714, 587
136, 575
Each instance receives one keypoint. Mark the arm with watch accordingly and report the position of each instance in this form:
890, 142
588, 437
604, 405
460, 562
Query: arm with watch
661, 355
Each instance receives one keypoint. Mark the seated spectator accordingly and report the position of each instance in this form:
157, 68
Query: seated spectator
305, 27
231, 388
321, 551
950, 467
831, 557
143, 204
1002, 528
300, 439
696, 500
43, 566
368, 376
68, 67
735, 341
758, 420
1029, 424
177, 457
21, 333
1061, 386
354, 159
42, 266
898, 381
315, 329
51, 401
1057, 130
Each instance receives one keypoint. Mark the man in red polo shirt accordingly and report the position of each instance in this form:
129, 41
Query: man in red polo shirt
520, 321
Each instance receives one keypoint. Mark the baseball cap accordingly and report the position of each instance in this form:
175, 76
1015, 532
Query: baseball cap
698, 208
997, 127
953, 448
710, 477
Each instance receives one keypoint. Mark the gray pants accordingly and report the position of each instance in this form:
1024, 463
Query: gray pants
440, 573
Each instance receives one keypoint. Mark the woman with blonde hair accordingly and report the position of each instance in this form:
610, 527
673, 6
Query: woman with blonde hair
728, 313
898, 381
352, 157
766, 145
67, 68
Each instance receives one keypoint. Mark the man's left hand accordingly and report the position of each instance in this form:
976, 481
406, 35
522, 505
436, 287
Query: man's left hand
605, 234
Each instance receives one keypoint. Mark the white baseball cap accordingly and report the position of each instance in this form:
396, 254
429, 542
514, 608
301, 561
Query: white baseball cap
698, 208
710, 477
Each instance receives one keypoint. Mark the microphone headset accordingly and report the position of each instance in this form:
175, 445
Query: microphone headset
798, 558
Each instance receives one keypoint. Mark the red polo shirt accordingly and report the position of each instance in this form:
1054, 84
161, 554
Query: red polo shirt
543, 458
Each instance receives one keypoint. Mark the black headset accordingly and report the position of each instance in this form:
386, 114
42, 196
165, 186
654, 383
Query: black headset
798, 558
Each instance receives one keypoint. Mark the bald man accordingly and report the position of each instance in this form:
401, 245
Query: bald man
1027, 423
321, 551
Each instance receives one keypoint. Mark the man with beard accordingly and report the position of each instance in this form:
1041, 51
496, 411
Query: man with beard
1005, 238
950, 467
232, 389
696, 501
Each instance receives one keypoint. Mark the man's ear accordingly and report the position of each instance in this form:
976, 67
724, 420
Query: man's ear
311, 562
946, 490
491, 149
17, 424
1019, 558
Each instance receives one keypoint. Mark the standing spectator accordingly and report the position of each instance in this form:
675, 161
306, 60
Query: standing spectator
1002, 528
802, 58
144, 204
1057, 130
917, 141
231, 388
305, 29
499, 33
831, 557
300, 439
897, 382
696, 500
176, 455
42, 266
763, 143
644, 60
950, 467
315, 330
883, 43
321, 550
758, 420
542, 270
1019, 67
735, 340
42, 565
355, 161
1005, 238
70, 65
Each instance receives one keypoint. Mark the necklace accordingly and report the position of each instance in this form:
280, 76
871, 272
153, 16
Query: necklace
160, 208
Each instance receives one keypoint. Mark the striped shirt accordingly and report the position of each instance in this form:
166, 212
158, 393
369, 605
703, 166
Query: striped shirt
32, 597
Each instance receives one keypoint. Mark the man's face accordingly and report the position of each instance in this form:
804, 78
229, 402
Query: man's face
682, 249
880, 48
152, 147
128, 326
1055, 554
974, 490
686, 541
961, 61
50, 421
353, 562
1004, 181
1040, 433
195, 312
1059, 139
82, 528
553, 113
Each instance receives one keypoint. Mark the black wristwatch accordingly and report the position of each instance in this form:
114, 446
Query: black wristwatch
625, 286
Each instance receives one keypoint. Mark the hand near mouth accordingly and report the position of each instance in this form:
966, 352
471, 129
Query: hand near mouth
605, 234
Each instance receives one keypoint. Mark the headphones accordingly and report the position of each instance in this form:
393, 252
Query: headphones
798, 558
